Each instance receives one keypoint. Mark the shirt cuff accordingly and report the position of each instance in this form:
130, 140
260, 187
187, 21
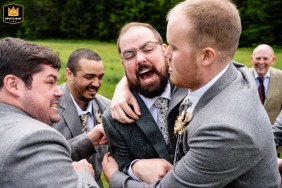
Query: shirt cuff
130, 172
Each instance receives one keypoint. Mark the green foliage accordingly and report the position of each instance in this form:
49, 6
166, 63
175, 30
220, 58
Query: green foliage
260, 22
102, 19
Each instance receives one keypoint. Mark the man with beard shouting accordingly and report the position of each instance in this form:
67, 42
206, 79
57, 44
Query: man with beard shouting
142, 50
84, 73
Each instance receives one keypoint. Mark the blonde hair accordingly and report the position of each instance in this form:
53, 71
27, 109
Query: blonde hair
215, 23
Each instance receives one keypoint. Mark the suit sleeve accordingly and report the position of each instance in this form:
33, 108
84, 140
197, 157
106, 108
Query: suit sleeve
42, 159
277, 130
81, 147
120, 180
118, 147
218, 154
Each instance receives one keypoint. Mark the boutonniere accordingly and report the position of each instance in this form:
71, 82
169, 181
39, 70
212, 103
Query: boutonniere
182, 121
98, 116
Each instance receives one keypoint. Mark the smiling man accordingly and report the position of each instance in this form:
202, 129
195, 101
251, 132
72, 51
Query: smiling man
84, 72
32, 153
262, 59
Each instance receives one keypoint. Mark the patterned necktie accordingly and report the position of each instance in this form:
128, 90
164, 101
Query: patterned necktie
185, 104
162, 105
83, 119
261, 89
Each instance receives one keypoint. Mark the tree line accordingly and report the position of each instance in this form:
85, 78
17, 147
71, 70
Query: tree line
102, 19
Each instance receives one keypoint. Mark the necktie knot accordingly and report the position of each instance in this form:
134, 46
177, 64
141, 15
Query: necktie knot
161, 103
83, 118
260, 78
185, 104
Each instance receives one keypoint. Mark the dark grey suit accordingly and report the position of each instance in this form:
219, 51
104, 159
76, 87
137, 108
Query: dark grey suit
141, 139
69, 126
35, 155
227, 143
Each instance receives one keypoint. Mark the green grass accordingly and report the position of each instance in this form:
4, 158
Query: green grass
111, 59
243, 56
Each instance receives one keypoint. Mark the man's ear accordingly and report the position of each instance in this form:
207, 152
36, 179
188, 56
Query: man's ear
69, 74
208, 56
12, 84
164, 47
273, 60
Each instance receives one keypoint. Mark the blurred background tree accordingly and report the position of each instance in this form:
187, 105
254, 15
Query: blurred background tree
102, 19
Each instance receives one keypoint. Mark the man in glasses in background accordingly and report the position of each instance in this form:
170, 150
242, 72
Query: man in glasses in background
142, 50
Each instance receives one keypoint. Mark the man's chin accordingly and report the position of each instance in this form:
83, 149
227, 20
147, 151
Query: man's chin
55, 119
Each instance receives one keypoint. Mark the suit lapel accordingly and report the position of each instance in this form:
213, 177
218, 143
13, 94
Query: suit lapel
230, 75
95, 108
271, 87
148, 125
177, 96
69, 112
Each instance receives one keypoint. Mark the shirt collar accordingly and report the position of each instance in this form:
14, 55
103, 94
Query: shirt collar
79, 111
195, 96
267, 75
149, 102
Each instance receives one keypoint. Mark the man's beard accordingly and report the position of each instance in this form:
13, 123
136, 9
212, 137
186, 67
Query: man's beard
152, 90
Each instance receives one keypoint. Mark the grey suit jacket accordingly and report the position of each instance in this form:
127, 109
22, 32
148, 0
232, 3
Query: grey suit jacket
227, 143
277, 130
69, 126
139, 140
35, 155
273, 98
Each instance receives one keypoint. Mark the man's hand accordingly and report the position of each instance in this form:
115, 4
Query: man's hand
109, 166
151, 170
97, 135
124, 107
83, 164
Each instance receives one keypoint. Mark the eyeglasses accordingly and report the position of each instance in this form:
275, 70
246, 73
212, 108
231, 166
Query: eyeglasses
147, 48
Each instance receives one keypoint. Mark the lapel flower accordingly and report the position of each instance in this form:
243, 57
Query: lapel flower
98, 116
182, 121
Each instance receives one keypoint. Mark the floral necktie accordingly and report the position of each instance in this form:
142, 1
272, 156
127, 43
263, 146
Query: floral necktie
83, 119
162, 105
181, 122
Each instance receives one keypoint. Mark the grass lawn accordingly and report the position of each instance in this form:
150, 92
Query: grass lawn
113, 66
